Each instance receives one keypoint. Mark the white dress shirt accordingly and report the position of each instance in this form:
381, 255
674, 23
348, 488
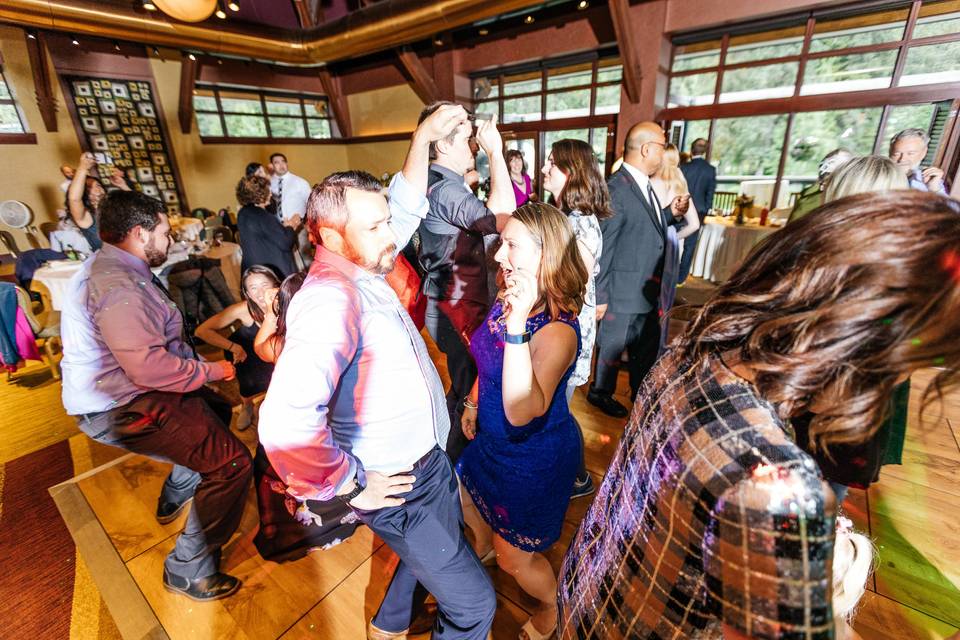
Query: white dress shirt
642, 180
354, 387
293, 201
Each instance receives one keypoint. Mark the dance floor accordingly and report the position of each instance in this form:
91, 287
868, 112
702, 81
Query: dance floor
110, 585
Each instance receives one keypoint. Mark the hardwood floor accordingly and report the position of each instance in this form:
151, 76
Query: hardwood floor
912, 514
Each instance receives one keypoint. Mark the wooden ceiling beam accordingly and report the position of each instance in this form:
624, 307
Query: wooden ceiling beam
629, 48
43, 86
423, 83
189, 70
337, 101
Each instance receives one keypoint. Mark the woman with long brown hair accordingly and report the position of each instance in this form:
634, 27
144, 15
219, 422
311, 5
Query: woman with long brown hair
710, 515
571, 174
518, 470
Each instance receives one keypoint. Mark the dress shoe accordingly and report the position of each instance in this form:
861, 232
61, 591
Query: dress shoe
206, 589
607, 404
376, 633
168, 511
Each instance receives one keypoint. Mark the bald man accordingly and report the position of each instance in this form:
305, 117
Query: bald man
631, 265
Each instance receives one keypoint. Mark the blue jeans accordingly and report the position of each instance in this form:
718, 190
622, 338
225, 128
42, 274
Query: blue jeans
426, 532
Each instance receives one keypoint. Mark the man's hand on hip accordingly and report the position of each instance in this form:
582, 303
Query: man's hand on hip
381, 490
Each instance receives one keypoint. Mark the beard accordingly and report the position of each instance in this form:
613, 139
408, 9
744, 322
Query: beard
155, 257
381, 265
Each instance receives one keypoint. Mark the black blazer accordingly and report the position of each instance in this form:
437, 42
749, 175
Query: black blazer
632, 259
265, 241
702, 181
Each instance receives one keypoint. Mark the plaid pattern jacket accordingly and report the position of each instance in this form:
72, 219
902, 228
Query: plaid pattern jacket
709, 514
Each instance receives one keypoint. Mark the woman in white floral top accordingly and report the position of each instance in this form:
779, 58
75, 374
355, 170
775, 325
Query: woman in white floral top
571, 174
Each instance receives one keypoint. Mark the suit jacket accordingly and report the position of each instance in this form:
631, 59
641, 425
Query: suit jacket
702, 181
633, 244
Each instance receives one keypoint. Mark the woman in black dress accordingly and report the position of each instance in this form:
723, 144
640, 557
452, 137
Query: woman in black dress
264, 240
246, 316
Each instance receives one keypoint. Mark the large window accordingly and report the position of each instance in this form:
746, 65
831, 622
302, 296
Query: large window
775, 101
550, 90
11, 121
231, 113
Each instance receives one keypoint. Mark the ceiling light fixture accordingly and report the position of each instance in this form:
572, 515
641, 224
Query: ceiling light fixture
156, 52
187, 10
149, 6
191, 56
484, 32
220, 61
32, 35
438, 41
116, 46
220, 13
74, 41
233, 5
528, 20
583, 5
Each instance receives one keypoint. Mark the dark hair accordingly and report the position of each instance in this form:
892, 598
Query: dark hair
251, 169
266, 272
291, 284
121, 211
327, 204
699, 147
848, 299
585, 190
426, 113
277, 154
515, 153
253, 190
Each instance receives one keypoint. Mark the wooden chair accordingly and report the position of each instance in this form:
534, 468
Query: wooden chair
45, 328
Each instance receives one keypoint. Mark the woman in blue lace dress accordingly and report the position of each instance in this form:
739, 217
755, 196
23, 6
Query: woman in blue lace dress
519, 469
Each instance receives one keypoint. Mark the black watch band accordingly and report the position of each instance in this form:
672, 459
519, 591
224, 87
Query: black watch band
357, 490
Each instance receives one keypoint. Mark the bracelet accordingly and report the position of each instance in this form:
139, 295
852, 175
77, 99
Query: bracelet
469, 404
517, 338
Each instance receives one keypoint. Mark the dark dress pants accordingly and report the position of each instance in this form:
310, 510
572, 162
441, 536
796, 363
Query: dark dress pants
426, 531
639, 334
451, 323
191, 431
686, 260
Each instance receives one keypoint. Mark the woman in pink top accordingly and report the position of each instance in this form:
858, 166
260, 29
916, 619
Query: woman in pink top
522, 186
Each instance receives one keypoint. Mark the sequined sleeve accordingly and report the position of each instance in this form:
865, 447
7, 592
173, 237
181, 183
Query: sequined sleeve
767, 555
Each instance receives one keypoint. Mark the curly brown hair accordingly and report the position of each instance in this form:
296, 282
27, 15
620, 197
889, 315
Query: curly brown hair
585, 190
836, 309
253, 190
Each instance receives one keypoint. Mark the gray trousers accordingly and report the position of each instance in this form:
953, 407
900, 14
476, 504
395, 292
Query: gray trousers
192, 431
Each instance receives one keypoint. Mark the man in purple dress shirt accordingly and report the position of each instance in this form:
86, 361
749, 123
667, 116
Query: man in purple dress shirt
134, 381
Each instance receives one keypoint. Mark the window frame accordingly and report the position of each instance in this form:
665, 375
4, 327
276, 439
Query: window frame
263, 95
24, 136
888, 97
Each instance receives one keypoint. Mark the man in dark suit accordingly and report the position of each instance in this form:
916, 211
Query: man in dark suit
631, 265
702, 182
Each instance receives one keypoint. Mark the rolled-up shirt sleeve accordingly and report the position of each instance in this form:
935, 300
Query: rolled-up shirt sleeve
322, 338
408, 207
136, 337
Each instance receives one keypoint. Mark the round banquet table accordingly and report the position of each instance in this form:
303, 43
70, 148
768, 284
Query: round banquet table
55, 276
723, 245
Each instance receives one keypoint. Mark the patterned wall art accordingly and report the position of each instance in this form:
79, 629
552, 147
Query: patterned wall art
119, 119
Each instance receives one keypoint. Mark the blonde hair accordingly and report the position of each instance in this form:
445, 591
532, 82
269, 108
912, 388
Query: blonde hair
866, 174
853, 559
563, 277
670, 171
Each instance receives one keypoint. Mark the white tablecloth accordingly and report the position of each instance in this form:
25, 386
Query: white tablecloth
723, 246
55, 276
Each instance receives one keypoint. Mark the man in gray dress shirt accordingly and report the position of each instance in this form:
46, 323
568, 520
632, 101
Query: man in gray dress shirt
133, 380
356, 407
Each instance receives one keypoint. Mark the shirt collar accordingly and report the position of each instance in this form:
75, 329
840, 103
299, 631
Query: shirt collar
446, 173
324, 256
114, 252
642, 179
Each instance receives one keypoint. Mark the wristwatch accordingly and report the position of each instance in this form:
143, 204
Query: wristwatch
517, 338
357, 490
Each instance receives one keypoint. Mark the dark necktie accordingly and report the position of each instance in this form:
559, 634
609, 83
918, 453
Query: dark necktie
184, 334
652, 197
280, 199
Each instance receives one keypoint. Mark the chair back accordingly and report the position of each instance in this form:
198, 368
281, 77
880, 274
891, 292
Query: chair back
47, 228
223, 233
24, 302
6, 238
